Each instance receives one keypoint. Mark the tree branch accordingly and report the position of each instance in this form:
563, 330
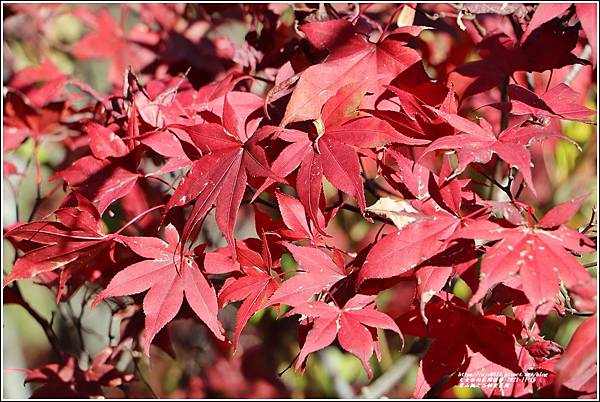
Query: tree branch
45, 324
389, 379
342, 387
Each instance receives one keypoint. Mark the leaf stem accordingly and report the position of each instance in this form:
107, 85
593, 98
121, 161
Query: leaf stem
282, 372
141, 376
390, 21
591, 223
152, 176
131, 222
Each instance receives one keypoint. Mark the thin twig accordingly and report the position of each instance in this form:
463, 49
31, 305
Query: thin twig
342, 387
587, 52
520, 190
579, 313
141, 376
289, 366
46, 326
389, 379
591, 223
496, 183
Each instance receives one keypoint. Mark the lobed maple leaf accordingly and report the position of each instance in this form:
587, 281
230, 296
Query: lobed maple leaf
413, 118
107, 40
478, 143
41, 84
413, 180
163, 103
352, 58
545, 12
23, 118
68, 380
334, 151
220, 177
319, 273
350, 325
254, 287
409, 178
559, 101
168, 279
477, 348
539, 254
428, 233
102, 181
69, 243
502, 56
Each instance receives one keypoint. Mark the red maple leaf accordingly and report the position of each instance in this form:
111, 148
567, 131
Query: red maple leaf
254, 287
319, 273
168, 278
468, 345
353, 58
24, 119
559, 101
502, 56
333, 151
221, 176
351, 325
68, 380
577, 368
539, 254
69, 243
102, 181
107, 40
478, 143
586, 13
41, 84
428, 233
413, 118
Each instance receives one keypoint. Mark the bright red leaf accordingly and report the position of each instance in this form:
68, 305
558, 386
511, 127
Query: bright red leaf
350, 325
168, 279
538, 254
352, 59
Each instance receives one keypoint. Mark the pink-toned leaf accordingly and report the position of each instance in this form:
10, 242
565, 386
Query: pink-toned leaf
167, 282
101, 181
320, 273
580, 354
562, 213
293, 214
544, 13
104, 142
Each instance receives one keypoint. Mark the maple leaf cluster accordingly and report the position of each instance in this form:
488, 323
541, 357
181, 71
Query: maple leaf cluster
213, 173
